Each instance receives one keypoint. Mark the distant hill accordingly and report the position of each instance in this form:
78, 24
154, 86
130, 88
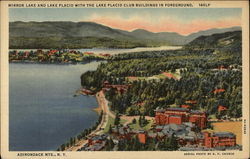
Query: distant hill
169, 38
193, 36
229, 43
220, 40
88, 35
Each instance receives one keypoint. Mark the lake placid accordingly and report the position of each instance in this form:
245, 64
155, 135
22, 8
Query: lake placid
117, 51
120, 51
43, 114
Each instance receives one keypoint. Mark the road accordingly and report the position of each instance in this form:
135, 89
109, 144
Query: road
103, 103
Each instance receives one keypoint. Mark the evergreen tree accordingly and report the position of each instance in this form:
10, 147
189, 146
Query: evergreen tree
62, 147
173, 143
140, 120
110, 129
117, 119
134, 121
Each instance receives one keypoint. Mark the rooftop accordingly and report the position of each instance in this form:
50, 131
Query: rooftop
176, 116
196, 112
158, 109
219, 90
224, 134
177, 109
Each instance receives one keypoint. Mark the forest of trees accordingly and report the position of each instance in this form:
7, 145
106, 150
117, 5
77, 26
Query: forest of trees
189, 87
200, 75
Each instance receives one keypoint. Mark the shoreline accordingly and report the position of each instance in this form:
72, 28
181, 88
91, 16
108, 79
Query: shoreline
101, 107
105, 48
54, 63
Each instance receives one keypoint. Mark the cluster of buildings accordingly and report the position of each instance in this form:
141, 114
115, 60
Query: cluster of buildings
95, 143
118, 88
183, 123
219, 139
186, 134
104, 55
53, 55
186, 124
183, 128
93, 54
180, 115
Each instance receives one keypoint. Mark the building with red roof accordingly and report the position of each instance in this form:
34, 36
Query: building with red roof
221, 108
26, 53
88, 53
169, 75
105, 55
185, 106
118, 87
219, 90
222, 67
180, 115
52, 52
219, 139
142, 136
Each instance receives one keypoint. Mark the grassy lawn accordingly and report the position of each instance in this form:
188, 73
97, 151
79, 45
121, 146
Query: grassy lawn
231, 126
234, 127
136, 126
195, 73
149, 125
212, 116
177, 75
122, 121
173, 106
142, 78
110, 122
160, 76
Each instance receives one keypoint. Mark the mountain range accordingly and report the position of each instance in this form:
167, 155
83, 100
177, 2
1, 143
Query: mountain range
89, 35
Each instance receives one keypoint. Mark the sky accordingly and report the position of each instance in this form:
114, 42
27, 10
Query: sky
181, 20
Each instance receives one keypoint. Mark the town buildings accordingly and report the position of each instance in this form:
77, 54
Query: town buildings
219, 139
181, 122
180, 115
95, 143
118, 88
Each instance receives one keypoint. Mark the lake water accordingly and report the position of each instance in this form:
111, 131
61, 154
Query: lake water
138, 49
43, 112
118, 51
